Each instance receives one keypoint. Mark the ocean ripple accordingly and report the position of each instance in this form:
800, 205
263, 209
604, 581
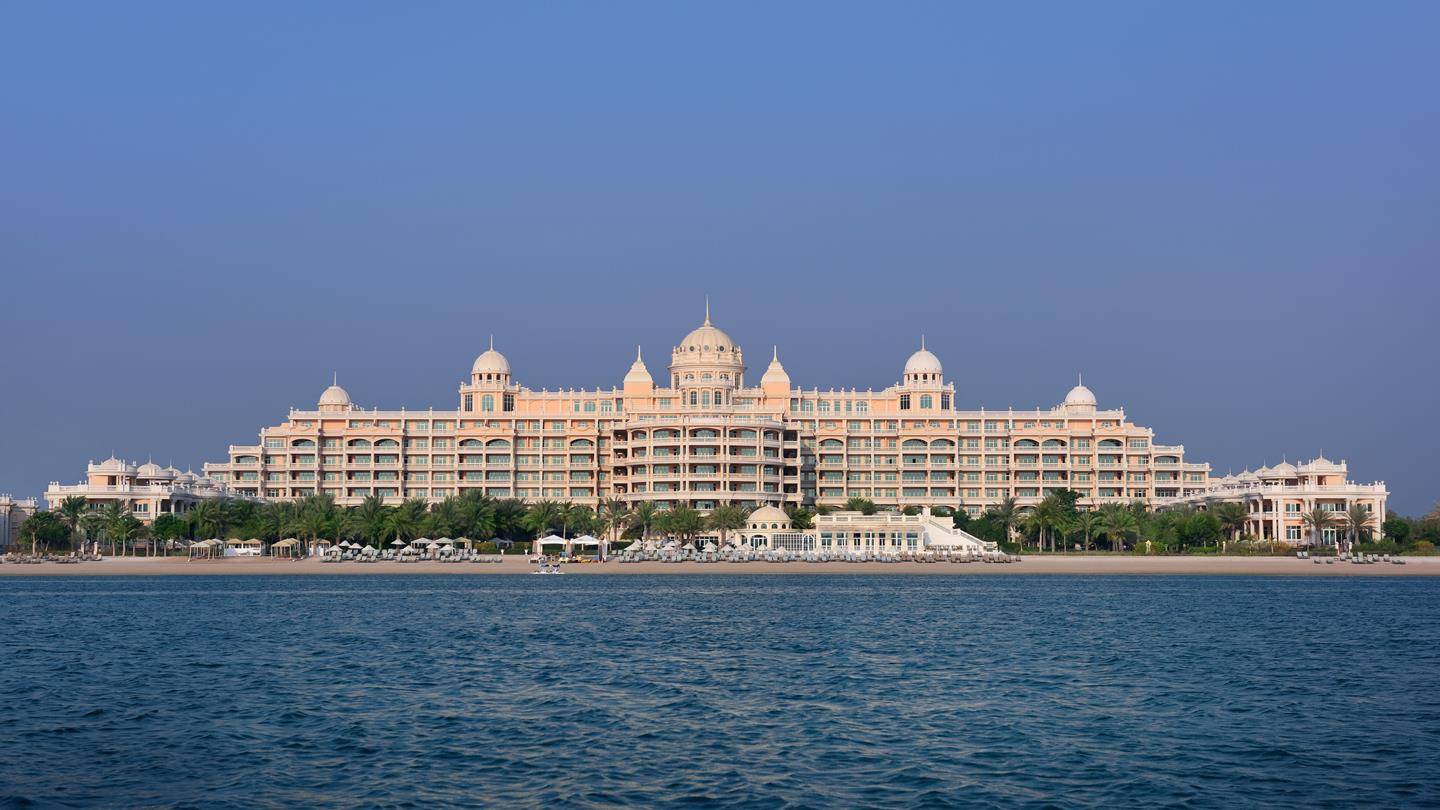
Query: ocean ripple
728, 691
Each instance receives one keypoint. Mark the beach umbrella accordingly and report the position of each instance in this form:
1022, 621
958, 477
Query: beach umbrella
445, 541
397, 542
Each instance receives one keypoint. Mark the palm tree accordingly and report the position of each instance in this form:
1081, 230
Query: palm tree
210, 517
93, 526
1118, 523
801, 519
123, 528
1232, 516
727, 518
1318, 520
683, 521
541, 517
616, 515
372, 519
1047, 516
1088, 524
71, 509
407, 518
1004, 515
862, 505
1358, 520
645, 518
111, 514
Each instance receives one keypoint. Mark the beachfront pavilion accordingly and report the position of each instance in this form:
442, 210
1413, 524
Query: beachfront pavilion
881, 533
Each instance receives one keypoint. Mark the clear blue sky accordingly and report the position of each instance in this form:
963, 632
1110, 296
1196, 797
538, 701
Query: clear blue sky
1226, 214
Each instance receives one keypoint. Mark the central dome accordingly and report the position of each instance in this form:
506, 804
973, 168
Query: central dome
707, 338
707, 351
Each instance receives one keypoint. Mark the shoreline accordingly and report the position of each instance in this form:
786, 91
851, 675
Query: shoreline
1078, 564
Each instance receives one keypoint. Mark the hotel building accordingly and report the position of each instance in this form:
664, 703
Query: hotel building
145, 490
13, 512
703, 435
1276, 497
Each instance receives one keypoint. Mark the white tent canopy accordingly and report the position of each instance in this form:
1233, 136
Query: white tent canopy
553, 540
584, 540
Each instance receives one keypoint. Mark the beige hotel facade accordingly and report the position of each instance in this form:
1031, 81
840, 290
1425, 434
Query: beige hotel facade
704, 435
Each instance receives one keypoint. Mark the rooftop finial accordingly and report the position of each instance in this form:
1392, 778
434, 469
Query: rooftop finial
1080, 378
492, 341
922, 342
775, 353
707, 310
637, 352
334, 378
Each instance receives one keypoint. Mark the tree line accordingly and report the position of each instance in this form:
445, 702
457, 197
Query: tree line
1055, 523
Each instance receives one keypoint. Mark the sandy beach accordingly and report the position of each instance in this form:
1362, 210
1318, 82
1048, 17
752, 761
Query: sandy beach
1074, 565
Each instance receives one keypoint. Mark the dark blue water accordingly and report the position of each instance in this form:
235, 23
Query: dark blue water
765, 691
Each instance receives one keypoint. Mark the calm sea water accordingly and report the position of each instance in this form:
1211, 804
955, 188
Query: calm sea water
765, 691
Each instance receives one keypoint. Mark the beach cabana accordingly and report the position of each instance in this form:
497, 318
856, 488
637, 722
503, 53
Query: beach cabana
286, 548
203, 548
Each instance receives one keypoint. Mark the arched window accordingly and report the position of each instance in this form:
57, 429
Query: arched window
926, 401
694, 398
705, 398
487, 402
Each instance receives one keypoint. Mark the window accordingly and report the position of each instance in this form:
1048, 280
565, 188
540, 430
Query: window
904, 402
469, 402
926, 401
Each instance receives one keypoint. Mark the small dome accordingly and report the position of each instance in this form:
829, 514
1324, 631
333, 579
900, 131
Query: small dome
148, 470
923, 361
114, 465
776, 372
491, 362
1283, 468
335, 396
1080, 395
768, 515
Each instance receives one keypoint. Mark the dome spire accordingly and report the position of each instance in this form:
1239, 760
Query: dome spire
707, 310
922, 341
775, 353
638, 358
